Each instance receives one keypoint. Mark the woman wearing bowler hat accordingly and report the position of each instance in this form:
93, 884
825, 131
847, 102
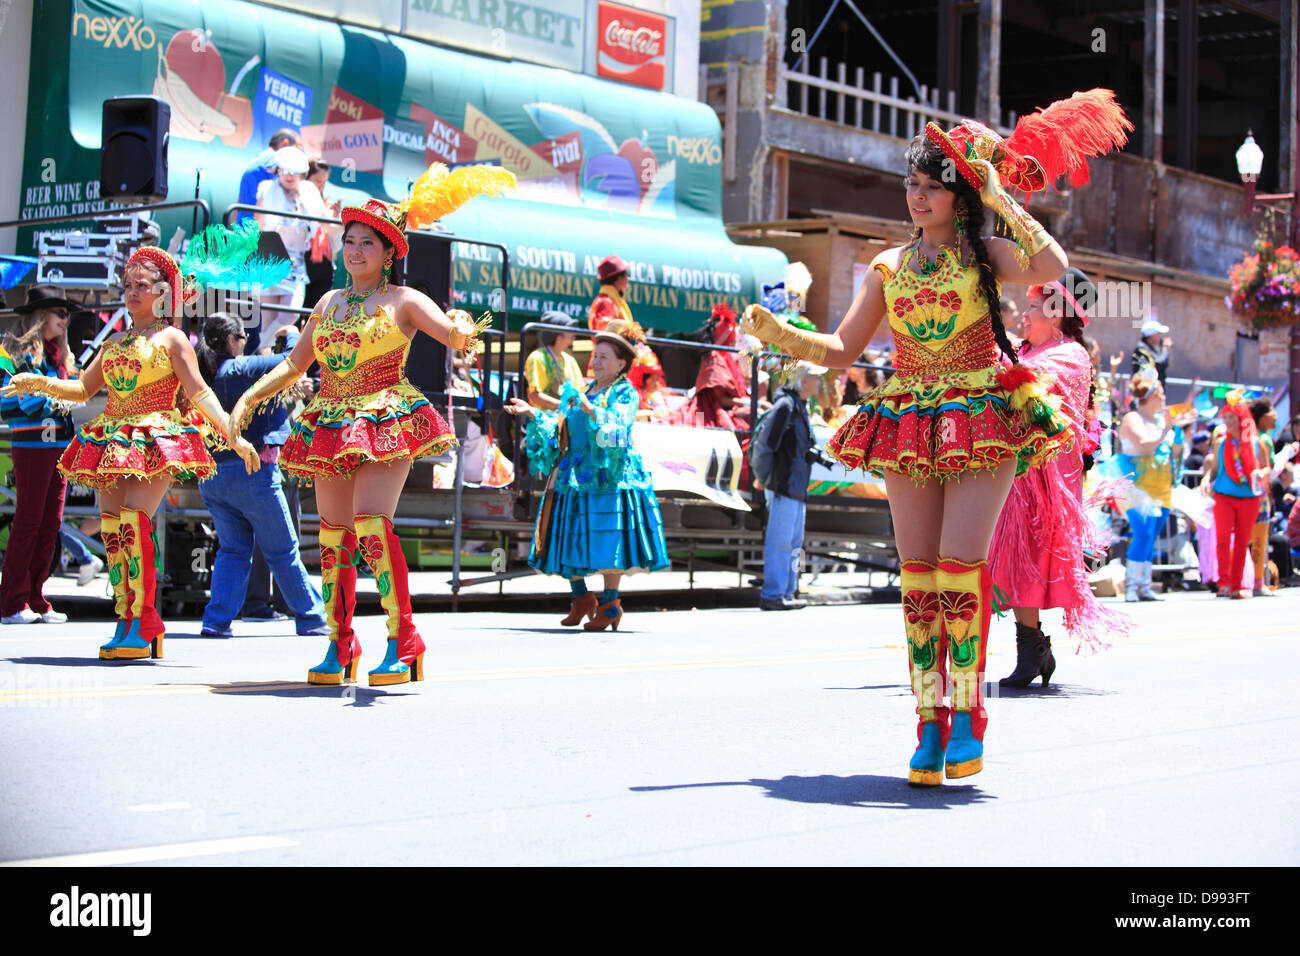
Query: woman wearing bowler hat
610, 302
603, 517
41, 430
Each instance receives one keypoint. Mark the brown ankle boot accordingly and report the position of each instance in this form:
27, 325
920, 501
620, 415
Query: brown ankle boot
601, 620
581, 607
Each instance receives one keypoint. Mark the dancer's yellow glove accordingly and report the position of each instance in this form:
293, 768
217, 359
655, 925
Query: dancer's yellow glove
211, 409
60, 389
1030, 236
280, 379
464, 331
759, 322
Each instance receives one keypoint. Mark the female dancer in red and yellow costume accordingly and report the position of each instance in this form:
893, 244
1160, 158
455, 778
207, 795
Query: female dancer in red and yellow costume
950, 430
360, 434
134, 450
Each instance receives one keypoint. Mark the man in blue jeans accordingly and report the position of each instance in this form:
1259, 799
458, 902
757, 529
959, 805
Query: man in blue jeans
781, 465
250, 509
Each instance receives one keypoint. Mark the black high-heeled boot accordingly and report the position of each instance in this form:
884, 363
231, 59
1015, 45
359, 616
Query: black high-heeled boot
1033, 658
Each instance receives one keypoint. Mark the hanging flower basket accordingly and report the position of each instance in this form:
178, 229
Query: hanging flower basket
1266, 287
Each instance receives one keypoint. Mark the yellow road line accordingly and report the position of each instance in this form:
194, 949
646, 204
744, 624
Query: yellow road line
102, 691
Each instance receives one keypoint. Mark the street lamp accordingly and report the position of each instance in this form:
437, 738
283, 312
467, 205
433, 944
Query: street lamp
1250, 160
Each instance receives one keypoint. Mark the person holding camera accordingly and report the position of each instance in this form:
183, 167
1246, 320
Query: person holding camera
781, 464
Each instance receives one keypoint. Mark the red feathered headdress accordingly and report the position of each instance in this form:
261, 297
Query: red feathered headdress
724, 326
1048, 144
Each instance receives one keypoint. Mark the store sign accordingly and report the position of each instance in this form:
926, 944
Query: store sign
371, 13
631, 45
549, 31
352, 136
1274, 353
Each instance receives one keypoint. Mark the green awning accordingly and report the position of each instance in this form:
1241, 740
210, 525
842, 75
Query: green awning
603, 167
679, 270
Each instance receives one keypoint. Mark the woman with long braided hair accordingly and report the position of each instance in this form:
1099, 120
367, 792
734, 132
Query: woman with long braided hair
1037, 559
950, 430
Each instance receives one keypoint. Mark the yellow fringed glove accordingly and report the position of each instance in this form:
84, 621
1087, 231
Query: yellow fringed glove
281, 378
464, 331
59, 389
1030, 236
759, 322
211, 410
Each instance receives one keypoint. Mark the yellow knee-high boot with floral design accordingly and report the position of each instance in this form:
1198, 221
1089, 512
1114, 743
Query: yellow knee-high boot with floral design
338, 589
108, 530
966, 601
382, 550
927, 659
144, 632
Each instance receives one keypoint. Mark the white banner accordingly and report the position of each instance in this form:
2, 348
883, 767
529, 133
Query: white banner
703, 461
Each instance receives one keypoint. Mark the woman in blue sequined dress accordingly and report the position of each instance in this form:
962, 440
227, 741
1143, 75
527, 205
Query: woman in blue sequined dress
601, 516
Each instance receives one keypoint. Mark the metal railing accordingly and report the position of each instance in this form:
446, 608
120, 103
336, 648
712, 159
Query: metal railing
199, 205
872, 107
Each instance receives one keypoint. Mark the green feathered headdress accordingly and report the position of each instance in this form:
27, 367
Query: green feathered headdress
224, 258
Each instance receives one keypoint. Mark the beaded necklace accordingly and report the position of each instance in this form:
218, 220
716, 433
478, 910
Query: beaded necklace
607, 391
356, 300
927, 268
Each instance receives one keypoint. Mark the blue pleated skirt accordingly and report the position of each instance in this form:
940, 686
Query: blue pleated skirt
604, 532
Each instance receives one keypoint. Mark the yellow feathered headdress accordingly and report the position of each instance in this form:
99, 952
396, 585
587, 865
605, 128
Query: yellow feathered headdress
436, 193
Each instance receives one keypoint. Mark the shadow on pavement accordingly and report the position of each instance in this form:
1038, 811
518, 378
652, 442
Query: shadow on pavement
357, 695
93, 662
577, 630
860, 790
993, 691
905, 688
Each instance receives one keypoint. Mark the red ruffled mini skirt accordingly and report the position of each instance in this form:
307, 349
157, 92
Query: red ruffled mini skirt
946, 425
335, 434
146, 446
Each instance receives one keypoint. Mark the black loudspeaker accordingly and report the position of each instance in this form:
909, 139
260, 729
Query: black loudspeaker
133, 160
428, 269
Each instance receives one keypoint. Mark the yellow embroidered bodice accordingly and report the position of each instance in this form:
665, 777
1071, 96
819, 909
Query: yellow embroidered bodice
139, 377
361, 354
940, 321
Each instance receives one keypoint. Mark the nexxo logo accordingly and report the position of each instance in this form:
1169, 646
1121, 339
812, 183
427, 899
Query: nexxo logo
114, 32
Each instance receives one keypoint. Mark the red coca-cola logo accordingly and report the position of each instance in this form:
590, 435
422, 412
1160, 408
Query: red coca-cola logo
635, 39
631, 45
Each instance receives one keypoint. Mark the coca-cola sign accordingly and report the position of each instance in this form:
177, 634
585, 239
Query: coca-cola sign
632, 45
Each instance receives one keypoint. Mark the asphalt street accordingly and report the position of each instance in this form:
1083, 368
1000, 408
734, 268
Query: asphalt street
687, 738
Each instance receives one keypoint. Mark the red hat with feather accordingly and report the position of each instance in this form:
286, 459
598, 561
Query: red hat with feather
1044, 146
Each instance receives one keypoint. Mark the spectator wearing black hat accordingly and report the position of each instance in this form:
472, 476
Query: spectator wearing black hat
41, 431
549, 367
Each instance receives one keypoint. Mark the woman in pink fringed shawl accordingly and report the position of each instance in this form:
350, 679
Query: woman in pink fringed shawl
1037, 556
